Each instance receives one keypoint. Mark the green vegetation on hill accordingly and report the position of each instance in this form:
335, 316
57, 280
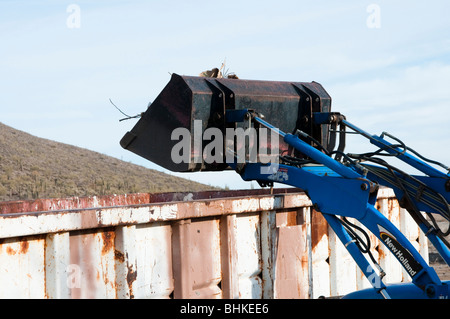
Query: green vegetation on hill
32, 167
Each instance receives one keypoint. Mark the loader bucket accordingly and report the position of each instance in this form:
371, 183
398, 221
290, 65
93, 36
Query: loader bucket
194, 104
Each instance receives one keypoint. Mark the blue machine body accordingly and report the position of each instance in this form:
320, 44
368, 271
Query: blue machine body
340, 185
351, 193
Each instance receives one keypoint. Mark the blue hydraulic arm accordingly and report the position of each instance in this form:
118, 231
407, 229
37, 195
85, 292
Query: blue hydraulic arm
339, 191
429, 193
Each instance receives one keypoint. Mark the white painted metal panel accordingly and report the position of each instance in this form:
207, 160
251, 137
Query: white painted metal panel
22, 268
388, 262
342, 267
154, 259
249, 256
268, 253
292, 263
92, 264
57, 266
232, 247
320, 256
204, 250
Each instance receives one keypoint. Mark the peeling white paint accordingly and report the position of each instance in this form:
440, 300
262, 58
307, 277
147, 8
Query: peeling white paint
127, 251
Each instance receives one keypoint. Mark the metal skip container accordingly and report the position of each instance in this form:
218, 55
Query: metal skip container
194, 104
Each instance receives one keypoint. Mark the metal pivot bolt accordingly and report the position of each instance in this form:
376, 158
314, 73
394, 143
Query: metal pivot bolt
430, 291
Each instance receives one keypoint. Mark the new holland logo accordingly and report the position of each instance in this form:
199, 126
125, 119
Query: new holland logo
402, 254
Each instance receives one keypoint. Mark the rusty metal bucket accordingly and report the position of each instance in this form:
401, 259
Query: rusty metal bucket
187, 100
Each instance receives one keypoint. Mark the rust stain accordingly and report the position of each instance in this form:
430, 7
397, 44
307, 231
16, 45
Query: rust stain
24, 245
119, 256
131, 271
106, 280
131, 277
10, 251
39, 205
319, 228
377, 205
108, 241
201, 239
381, 254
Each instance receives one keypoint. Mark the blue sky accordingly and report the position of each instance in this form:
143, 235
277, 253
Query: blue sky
56, 81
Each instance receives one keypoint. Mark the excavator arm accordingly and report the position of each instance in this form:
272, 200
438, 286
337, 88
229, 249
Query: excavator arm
212, 124
341, 191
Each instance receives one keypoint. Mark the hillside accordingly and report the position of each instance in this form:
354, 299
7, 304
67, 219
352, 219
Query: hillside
32, 167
